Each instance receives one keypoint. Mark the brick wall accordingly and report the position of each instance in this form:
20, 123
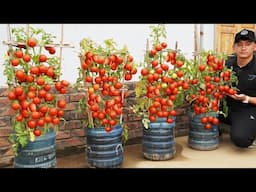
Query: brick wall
71, 135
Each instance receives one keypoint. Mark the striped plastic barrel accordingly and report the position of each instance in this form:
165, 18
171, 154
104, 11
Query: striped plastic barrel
200, 138
40, 153
159, 140
104, 149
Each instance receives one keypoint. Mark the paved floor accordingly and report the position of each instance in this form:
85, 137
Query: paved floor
225, 156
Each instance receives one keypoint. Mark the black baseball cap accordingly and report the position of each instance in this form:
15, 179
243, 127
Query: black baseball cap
245, 34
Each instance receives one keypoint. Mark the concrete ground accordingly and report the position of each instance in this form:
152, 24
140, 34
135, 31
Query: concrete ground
225, 156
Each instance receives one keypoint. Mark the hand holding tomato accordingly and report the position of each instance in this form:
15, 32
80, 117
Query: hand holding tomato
238, 97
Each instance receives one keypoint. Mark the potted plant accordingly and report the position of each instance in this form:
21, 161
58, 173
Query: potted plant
158, 92
33, 73
210, 80
102, 74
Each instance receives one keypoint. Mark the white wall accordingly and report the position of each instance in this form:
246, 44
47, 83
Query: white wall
132, 35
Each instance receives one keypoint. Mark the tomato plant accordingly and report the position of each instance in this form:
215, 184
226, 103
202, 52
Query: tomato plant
32, 75
161, 85
210, 80
102, 73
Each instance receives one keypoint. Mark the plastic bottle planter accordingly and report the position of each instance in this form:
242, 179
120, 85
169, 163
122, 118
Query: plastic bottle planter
40, 153
200, 138
104, 149
159, 140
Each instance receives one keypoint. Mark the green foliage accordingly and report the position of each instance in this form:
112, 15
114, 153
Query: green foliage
142, 102
157, 33
87, 45
124, 133
43, 38
9, 72
20, 137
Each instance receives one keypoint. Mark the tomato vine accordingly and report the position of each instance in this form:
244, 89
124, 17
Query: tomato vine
33, 72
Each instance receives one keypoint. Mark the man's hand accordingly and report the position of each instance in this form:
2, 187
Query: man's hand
240, 97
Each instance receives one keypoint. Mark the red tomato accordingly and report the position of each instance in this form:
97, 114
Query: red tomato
108, 129
15, 62
42, 58
61, 103
26, 58
18, 54
31, 124
37, 132
31, 42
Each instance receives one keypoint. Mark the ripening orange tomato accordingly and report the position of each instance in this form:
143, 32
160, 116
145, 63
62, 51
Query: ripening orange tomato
61, 103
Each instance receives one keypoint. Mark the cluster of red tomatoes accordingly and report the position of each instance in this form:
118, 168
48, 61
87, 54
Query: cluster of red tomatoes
31, 90
163, 77
103, 78
211, 82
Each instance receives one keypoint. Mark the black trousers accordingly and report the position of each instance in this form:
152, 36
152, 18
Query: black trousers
243, 126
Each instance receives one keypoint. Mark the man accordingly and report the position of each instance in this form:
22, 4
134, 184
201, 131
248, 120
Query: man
242, 106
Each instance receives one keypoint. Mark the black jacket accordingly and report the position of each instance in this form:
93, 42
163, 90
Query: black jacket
246, 81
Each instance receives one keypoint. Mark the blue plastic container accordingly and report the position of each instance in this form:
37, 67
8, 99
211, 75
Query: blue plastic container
40, 153
159, 140
200, 138
104, 149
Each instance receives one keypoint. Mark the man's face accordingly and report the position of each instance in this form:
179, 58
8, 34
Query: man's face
244, 48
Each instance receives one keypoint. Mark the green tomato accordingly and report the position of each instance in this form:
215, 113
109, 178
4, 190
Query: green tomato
164, 85
174, 75
152, 71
